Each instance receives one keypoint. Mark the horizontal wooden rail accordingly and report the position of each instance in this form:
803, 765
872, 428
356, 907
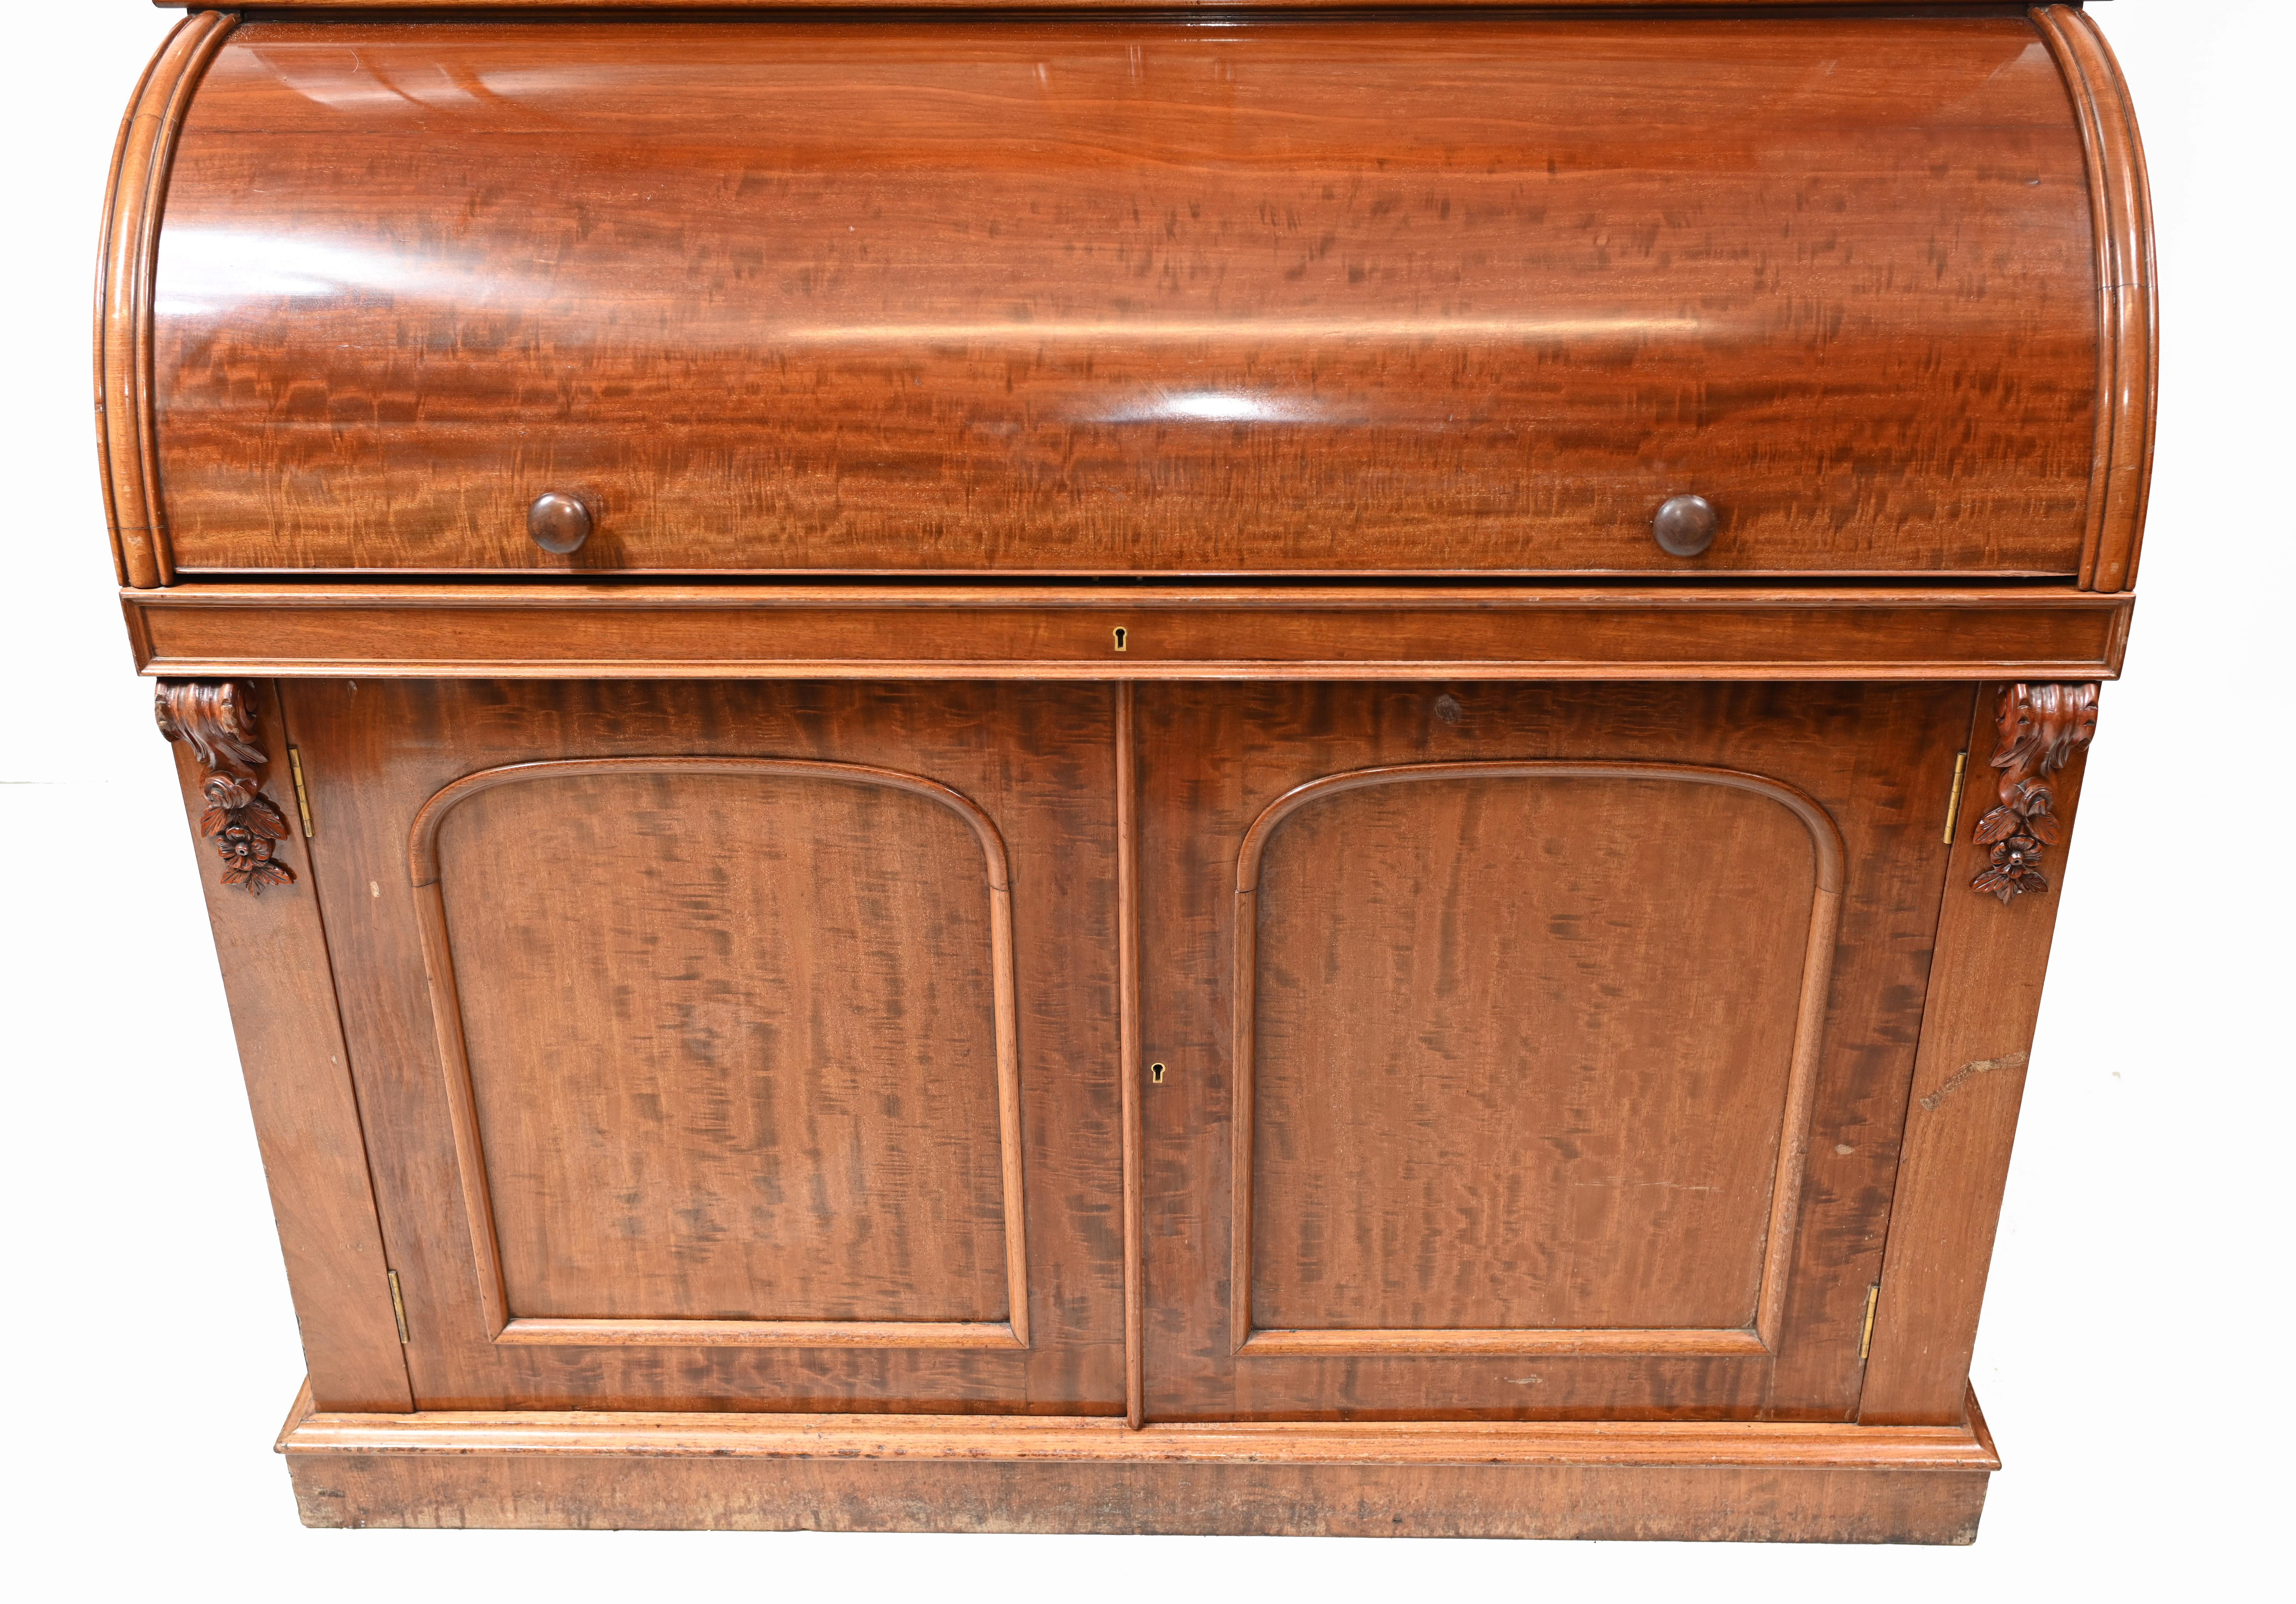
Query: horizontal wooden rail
1103, 633
1022, 1439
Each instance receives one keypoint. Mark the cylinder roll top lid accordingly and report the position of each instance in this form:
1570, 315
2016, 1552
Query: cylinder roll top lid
964, 296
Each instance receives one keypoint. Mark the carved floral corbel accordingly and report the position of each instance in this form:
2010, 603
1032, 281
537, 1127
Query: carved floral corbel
2041, 728
216, 719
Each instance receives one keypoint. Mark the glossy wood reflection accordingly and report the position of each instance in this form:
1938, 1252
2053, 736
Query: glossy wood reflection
1076, 296
1168, 7
1603, 527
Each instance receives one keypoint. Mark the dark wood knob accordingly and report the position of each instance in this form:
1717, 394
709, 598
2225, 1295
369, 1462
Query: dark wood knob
1685, 527
558, 523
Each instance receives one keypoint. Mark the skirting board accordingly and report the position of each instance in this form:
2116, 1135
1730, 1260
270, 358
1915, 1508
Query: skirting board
1657, 1480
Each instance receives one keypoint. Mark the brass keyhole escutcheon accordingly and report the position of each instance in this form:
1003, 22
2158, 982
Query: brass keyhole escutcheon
1121, 634
1156, 1074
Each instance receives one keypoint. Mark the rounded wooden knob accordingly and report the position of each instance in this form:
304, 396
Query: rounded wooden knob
1685, 527
558, 523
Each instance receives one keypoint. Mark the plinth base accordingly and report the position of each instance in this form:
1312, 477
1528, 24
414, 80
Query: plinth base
1674, 1482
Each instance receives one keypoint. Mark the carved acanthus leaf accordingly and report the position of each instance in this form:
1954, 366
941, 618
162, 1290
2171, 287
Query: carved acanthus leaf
2041, 727
216, 720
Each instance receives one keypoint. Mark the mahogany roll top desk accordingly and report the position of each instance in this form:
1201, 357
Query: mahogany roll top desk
1098, 769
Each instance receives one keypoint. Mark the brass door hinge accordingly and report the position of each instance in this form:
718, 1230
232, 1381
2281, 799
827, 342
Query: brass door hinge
397, 1307
1952, 806
1864, 1339
302, 792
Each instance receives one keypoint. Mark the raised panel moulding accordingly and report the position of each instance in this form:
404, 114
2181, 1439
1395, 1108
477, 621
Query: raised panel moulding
503, 1322
1756, 1335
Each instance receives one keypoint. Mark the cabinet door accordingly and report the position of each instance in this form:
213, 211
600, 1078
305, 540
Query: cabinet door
1528, 1051
733, 1046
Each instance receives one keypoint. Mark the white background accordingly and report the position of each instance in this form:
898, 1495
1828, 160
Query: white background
2133, 1360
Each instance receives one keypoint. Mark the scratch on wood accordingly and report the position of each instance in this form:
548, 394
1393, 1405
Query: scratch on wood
2015, 1060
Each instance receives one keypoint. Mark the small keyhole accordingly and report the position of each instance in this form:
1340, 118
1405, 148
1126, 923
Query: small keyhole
1121, 632
1156, 1074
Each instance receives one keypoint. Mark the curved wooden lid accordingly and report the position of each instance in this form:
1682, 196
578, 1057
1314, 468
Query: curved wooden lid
1478, 295
1166, 6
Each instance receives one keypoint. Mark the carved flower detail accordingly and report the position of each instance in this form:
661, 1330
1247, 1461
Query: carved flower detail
244, 852
247, 838
2016, 868
2041, 728
217, 722
247, 860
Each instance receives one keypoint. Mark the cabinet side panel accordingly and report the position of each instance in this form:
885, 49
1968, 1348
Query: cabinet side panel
1985, 996
278, 980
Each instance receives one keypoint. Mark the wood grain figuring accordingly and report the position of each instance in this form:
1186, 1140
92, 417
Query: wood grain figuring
1177, 7
1976, 1045
1075, 296
1210, 632
279, 984
1653, 1481
1034, 759
126, 257
1130, 1066
1153, 777
1472, 906
1957, 1447
1720, 1504
1396, 1169
2129, 312
794, 1100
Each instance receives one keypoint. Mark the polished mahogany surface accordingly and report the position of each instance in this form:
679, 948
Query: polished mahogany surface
434, 7
1503, 1015
734, 1046
1429, 1010
1057, 296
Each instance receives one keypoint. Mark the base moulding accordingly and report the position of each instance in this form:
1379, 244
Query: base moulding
1654, 1480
